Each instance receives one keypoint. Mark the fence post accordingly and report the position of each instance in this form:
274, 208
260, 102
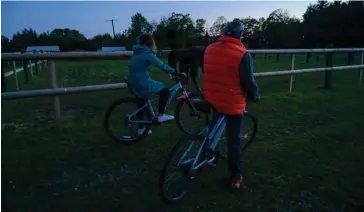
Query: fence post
25, 70
36, 66
3, 80
308, 56
292, 68
350, 58
56, 102
31, 68
328, 74
361, 70
277, 58
16, 76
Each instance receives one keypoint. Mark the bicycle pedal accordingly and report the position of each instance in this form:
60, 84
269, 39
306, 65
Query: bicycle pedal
218, 156
155, 121
212, 162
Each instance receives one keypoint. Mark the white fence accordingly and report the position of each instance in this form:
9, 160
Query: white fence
55, 91
15, 70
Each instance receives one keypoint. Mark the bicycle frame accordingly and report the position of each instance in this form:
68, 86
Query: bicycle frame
173, 91
212, 139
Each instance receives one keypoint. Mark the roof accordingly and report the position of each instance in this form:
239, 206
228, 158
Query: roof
113, 49
42, 48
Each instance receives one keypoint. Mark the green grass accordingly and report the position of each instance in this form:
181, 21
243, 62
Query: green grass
308, 154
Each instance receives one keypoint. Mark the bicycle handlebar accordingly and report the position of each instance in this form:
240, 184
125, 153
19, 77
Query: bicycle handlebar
176, 78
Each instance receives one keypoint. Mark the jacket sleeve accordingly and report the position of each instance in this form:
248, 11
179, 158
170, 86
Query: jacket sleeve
153, 59
247, 80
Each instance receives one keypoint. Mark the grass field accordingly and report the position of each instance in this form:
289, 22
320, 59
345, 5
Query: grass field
308, 154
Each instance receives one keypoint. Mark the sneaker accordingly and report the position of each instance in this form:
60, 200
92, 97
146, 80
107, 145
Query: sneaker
165, 117
237, 183
141, 131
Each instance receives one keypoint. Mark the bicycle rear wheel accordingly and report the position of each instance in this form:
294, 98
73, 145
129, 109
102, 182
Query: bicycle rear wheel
248, 132
117, 124
181, 160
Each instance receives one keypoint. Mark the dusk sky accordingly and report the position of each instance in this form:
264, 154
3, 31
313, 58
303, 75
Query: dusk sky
90, 17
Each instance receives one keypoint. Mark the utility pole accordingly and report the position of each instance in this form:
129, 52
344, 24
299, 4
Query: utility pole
112, 23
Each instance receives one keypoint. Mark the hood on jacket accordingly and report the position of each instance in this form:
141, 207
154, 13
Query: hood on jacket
138, 48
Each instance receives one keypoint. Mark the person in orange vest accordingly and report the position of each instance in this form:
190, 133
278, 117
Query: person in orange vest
228, 83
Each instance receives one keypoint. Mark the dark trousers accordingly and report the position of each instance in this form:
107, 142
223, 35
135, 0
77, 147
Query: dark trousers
163, 98
234, 124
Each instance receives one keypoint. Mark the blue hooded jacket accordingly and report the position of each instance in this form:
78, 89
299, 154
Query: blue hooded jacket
138, 78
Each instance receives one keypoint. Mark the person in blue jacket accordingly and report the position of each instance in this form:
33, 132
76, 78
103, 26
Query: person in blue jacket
140, 82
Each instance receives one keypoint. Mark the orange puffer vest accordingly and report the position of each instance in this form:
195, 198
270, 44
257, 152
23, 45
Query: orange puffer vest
221, 81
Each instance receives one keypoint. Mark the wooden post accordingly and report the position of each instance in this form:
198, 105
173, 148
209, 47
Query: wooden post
36, 66
292, 68
350, 58
56, 102
277, 58
31, 68
3, 80
25, 70
308, 56
16, 76
328, 74
361, 70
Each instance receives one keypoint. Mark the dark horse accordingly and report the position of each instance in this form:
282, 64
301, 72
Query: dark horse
189, 59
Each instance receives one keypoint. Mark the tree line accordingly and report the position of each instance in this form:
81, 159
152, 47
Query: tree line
337, 23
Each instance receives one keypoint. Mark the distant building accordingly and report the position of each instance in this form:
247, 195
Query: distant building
113, 49
42, 49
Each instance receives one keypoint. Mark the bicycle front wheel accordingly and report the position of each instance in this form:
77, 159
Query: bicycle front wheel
179, 168
124, 129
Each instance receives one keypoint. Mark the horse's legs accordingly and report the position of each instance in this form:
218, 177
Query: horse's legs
184, 69
194, 74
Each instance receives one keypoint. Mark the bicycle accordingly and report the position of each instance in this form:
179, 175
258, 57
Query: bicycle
150, 119
206, 153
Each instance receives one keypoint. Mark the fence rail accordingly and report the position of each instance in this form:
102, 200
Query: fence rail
116, 86
55, 91
17, 70
127, 54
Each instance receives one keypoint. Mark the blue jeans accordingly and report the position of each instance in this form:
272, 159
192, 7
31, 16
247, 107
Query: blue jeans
234, 124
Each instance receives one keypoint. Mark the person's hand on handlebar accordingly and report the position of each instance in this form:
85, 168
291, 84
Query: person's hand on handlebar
181, 74
177, 74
